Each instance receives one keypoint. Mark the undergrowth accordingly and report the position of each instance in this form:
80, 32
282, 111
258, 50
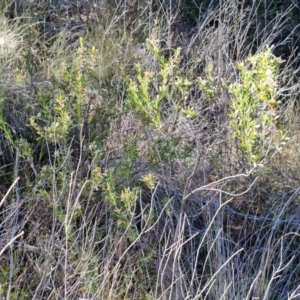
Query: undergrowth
149, 150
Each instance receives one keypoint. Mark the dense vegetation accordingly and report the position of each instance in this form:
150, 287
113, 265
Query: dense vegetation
149, 149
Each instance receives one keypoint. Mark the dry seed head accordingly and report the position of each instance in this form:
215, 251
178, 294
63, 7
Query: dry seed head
10, 39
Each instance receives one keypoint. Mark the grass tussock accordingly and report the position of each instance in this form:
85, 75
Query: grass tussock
149, 150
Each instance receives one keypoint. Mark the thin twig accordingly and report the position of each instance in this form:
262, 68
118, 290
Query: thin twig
10, 242
9, 190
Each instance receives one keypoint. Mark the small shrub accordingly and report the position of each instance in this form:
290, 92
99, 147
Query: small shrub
150, 90
254, 106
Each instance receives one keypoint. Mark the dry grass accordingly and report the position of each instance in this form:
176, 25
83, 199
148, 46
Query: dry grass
96, 203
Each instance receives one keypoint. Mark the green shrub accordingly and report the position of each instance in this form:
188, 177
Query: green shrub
255, 108
150, 90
